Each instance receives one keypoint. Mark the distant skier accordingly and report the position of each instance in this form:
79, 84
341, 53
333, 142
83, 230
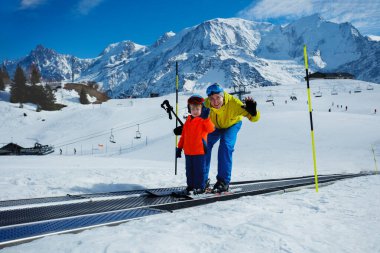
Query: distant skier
375, 111
60, 151
194, 142
75, 151
226, 113
346, 107
329, 109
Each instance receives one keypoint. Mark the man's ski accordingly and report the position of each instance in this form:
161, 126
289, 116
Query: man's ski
205, 195
210, 194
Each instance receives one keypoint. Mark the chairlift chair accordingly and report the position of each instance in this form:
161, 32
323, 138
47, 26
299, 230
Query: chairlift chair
138, 134
269, 98
370, 87
318, 94
334, 92
358, 89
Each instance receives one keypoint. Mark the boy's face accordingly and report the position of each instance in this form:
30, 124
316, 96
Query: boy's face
195, 110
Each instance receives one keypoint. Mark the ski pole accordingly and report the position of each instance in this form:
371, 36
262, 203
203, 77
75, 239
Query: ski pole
176, 113
311, 119
169, 109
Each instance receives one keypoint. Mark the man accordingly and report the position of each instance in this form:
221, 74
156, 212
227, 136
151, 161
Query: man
226, 112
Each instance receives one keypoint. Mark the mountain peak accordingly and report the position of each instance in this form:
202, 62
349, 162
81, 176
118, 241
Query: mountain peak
127, 46
41, 50
39, 47
316, 17
165, 37
311, 21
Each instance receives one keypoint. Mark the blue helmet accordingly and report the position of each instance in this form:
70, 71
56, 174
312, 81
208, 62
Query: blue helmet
214, 89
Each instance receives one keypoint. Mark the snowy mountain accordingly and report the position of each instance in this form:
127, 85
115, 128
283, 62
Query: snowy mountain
52, 65
230, 51
216, 50
108, 65
331, 47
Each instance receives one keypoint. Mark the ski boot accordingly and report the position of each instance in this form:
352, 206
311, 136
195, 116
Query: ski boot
198, 191
220, 186
183, 193
207, 187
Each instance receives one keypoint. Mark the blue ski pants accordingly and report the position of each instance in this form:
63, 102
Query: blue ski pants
196, 171
227, 139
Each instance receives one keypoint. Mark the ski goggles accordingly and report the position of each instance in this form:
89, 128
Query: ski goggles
214, 89
195, 100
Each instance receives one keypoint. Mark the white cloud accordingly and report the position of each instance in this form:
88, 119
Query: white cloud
363, 14
29, 4
265, 9
85, 6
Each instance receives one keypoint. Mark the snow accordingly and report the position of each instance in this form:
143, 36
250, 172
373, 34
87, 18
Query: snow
342, 217
374, 37
318, 60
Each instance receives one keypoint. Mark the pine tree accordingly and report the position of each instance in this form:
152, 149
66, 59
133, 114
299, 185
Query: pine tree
2, 84
36, 94
19, 89
49, 98
83, 97
35, 76
5, 73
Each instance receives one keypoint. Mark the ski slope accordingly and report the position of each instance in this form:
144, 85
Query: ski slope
342, 217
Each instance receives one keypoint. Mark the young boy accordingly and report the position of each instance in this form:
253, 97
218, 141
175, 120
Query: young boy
194, 142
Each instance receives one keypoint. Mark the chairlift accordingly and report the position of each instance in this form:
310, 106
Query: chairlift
370, 87
269, 97
318, 94
112, 138
138, 134
334, 91
358, 89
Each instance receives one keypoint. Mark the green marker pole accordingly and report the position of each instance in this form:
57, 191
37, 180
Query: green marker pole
311, 119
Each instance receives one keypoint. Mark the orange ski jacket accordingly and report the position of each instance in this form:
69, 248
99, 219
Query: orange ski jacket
194, 135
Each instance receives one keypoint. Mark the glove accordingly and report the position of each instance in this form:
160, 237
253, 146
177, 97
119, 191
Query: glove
250, 106
178, 153
205, 112
178, 130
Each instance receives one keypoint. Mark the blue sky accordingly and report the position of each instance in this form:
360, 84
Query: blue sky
85, 27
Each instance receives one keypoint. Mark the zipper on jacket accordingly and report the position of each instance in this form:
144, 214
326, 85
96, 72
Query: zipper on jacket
216, 120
